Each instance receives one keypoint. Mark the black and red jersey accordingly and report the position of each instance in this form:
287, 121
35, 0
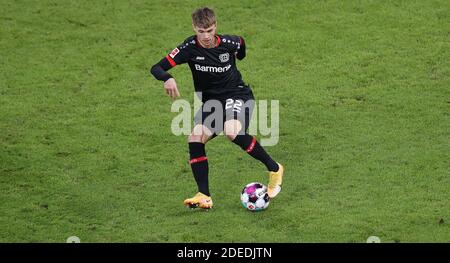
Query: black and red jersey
213, 70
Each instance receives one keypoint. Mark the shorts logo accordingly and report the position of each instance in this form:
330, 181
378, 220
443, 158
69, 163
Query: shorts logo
200, 58
174, 52
224, 57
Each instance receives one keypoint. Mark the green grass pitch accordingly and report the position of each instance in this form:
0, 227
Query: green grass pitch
86, 147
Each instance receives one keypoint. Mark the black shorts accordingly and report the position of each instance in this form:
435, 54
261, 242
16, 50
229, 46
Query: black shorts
215, 112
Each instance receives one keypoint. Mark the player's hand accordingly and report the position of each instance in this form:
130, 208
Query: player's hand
171, 88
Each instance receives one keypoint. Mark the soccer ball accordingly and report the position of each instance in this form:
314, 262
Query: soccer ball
254, 197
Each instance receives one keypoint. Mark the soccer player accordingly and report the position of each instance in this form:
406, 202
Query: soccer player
212, 60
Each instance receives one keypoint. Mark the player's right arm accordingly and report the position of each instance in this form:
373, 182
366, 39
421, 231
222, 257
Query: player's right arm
159, 71
178, 56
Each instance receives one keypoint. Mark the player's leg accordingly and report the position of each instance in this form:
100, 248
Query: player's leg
249, 144
235, 128
199, 165
198, 160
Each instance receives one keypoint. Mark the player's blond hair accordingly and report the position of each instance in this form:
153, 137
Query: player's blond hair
203, 17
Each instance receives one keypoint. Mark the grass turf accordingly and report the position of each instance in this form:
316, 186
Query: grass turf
86, 147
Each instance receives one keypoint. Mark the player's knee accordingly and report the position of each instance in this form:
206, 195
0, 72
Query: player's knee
232, 128
199, 134
195, 138
231, 136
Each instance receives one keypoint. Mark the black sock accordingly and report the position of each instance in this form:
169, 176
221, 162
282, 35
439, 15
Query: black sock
249, 144
199, 165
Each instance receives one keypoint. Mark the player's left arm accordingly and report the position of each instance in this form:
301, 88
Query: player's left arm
240, 51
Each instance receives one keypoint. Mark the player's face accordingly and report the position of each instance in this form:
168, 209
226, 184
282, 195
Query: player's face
206, 36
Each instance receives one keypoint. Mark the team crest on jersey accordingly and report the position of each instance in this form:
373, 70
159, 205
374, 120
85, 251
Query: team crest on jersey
174, 52
224, 57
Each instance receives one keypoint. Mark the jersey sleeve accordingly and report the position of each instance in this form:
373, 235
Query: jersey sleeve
179, 55
240, 54
236, 45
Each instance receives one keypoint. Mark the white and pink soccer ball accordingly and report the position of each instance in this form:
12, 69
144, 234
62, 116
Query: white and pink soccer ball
254, 197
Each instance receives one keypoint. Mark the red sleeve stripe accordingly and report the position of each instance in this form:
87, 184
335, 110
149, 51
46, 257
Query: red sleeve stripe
240, 41
197, 160
251, 146
172, 63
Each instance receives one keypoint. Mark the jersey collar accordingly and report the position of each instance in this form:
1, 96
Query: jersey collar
218, 42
